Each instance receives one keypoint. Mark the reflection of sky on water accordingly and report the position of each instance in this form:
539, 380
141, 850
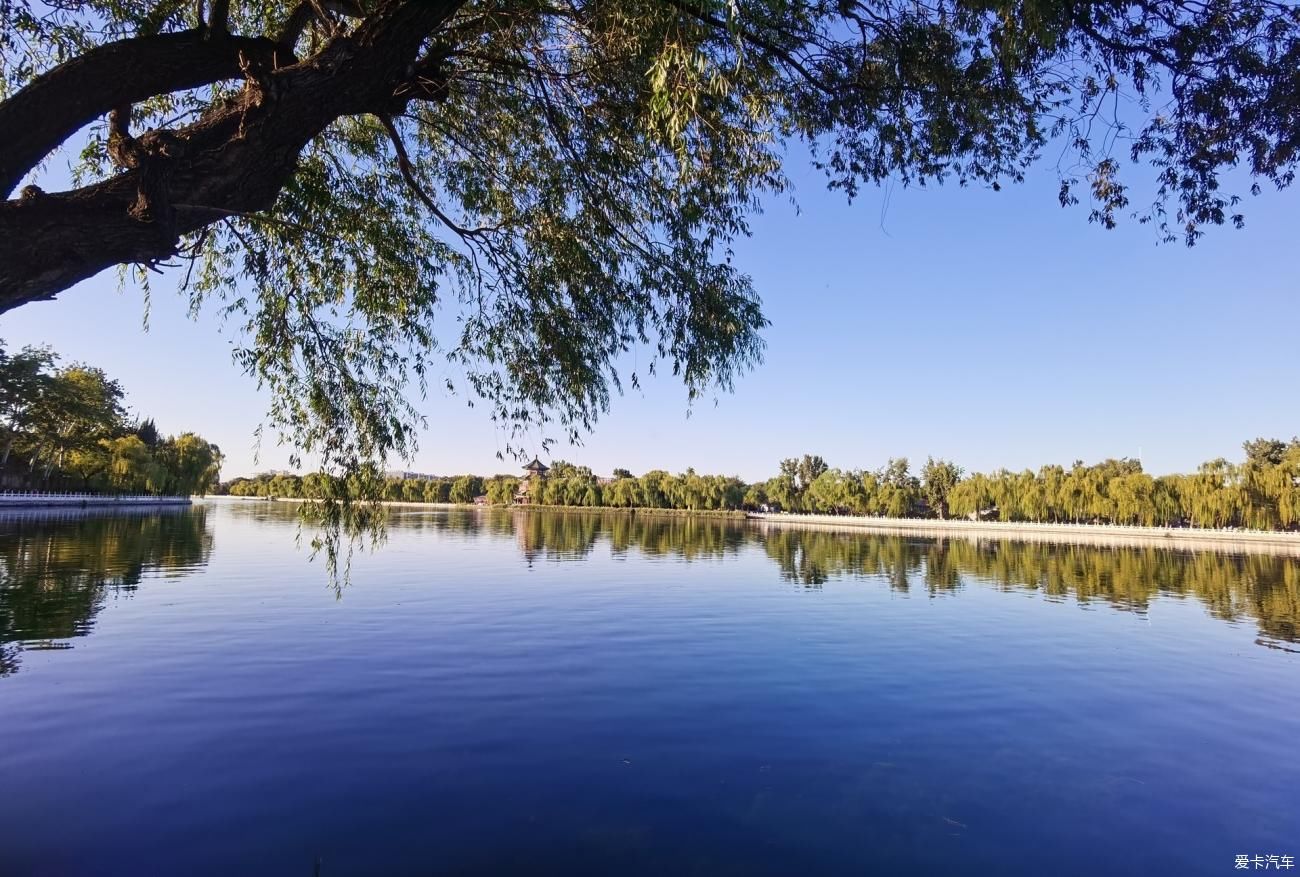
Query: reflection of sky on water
578, 694
58, 566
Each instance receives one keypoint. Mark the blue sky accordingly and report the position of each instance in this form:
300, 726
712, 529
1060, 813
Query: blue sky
992, 328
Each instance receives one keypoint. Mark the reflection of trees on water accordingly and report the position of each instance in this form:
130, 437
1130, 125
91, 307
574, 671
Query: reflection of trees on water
56, 570
812, 557
1265, 588
1262, 587
573, 535
56, 574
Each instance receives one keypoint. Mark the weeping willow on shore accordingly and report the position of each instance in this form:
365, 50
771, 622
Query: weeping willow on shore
1261, 492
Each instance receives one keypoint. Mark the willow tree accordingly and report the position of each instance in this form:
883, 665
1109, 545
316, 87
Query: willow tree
568, 176
938, 478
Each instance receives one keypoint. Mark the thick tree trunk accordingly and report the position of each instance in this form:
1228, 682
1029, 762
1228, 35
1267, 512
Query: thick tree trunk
40, 117
234, 160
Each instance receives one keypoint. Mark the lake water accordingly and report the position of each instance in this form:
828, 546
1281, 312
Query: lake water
563, 694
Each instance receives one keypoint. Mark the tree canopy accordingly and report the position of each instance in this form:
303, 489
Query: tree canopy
568, 176
1261, 493
67, 428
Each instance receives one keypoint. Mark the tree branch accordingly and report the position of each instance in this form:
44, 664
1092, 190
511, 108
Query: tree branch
756, 41
123, 149
236, 159
296, 23
404, 167
219, 16
41, 116
308, 11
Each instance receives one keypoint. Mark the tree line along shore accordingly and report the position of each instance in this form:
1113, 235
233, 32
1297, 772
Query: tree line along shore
1260, 492
67, 428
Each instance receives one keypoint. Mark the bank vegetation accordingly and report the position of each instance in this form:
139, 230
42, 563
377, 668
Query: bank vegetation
1260, 492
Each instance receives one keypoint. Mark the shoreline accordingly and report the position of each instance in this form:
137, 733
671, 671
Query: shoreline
1235, 541
725, 514
1179, 538
83, 501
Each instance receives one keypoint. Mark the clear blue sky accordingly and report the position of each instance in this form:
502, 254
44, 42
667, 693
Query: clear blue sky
993, 328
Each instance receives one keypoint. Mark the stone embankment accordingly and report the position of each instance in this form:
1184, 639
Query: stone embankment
11, 500
1095, 534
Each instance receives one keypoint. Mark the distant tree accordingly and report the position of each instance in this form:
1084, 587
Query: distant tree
652, 489
806, 470
972, 496
570, 470
147, 432
1286, 486
25, 380
1258, 493
501, 489
284, 485
828, 493
437, 490
316, 485
132, 468
796, 475
69, 427
938, 478
730, 493
1133, 498
90, 466
1050, 479
783, 491
1266, 452
193, 465
1168, 502
899, 489
673, 495
624, 493
465, 488
80, 407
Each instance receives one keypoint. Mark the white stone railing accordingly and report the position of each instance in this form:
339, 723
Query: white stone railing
36, 499
1027, 528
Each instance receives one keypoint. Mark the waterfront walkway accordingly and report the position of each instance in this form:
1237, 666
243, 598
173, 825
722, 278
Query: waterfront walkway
27, 500
1096, 534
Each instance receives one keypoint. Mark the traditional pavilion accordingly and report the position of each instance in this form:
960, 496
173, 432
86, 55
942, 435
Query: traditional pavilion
534, 473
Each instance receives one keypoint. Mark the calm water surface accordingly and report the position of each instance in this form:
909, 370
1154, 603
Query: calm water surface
555, 694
